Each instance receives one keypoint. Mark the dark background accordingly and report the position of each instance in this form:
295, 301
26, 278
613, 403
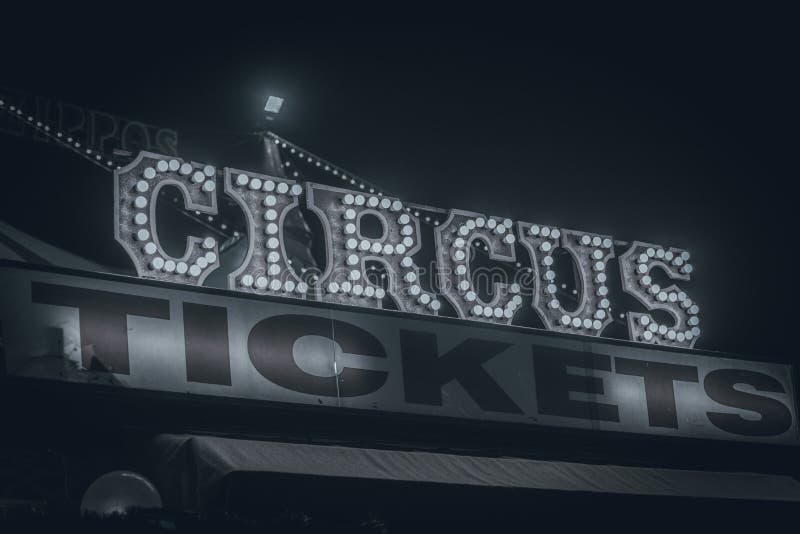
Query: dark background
675, 127
671, 125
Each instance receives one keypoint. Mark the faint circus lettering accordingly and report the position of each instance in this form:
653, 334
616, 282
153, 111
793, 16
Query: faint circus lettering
104, 131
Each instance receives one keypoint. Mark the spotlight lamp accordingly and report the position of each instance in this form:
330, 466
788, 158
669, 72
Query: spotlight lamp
273, 107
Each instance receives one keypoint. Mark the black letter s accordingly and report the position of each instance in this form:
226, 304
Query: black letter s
775, 416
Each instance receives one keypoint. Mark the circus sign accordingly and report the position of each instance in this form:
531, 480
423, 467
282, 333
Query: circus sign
451, 289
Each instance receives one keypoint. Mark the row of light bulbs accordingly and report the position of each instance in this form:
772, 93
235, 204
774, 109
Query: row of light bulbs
547, 246
295, 152
66, 140
349, 229
459, 254
204, 176
271, 191
646, 260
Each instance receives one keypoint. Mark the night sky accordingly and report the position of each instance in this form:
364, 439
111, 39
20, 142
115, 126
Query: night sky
675, 128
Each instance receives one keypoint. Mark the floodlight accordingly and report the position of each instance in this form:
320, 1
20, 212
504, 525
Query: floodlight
273, 105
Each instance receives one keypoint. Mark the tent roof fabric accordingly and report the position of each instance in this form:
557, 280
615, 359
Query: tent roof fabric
211, 459
19, 246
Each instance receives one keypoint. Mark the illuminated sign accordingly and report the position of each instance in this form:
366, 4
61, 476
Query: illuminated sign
126, 333
266, 269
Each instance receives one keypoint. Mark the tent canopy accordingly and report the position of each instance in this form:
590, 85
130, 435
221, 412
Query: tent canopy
192, 468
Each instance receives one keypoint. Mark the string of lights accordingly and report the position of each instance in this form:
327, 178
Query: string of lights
94, 155
296, 152
67, 141
293, 154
